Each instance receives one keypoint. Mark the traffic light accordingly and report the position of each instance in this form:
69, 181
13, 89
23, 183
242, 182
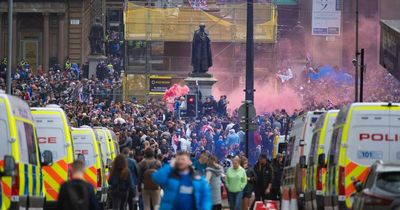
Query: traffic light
191, 104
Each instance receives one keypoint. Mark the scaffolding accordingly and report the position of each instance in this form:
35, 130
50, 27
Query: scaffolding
228, 24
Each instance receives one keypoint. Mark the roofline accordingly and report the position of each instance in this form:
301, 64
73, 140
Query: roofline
47, 109
358, 104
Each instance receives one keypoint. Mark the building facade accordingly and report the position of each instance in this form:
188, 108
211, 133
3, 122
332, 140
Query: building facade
47, 32
159, 41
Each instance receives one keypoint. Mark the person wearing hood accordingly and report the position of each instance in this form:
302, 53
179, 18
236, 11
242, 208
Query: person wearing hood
214, 173
184, 188
200, 165
220, 149
232, 138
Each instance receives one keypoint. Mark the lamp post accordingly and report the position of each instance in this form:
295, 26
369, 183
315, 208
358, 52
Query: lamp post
10, 39
249, 91
356, 63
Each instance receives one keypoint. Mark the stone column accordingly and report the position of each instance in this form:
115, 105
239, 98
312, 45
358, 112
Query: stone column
14, 41
61, 47
45, 41
1, 37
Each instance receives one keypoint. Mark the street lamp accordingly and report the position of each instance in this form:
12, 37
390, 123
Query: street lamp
10, 38
356, 64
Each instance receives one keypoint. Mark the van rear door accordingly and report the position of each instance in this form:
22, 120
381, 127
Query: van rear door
368, 135
307, 133
83, 144
50, 131
101, 137
394, 148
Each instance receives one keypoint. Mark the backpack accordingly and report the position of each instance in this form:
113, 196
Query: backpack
148, 183
76, 196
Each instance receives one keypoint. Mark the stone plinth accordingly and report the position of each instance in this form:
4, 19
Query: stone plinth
203, 84
93, 61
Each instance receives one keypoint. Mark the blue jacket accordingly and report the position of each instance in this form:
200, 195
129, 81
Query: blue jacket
133, 168
169, 181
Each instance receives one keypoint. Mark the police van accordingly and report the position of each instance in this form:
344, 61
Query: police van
294, 172
114, 141
54, 134
105, 146
363, 133
19, 157
316, 164
86, 145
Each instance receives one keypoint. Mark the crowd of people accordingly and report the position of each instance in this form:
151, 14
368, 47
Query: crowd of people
184, 183
189, 159
200, 154
330, 87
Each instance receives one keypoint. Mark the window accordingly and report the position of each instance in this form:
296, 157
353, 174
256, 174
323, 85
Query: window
289, 151
314, 148
389, 181
4, 131
282, 147
4, 137
27, 144
336, 140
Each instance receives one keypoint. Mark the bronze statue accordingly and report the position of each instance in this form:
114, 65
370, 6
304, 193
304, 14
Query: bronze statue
201, 51
96, 37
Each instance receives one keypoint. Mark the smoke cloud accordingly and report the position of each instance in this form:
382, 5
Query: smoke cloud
379, 85
267, 98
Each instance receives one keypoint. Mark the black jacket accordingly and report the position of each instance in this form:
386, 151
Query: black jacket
77, 195
277, 172
264, 176
251, 179
120, 185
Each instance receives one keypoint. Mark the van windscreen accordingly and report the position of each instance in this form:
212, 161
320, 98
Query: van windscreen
368, 137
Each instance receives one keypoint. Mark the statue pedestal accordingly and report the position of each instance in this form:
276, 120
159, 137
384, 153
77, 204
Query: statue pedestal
93, 61
203, 84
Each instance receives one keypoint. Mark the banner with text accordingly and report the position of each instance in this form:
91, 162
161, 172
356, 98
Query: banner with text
326, 17
159, 84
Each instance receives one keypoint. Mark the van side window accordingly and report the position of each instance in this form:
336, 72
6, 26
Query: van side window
314, 148
27, 144
282, 147
4, 136
289, 151
335, 144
